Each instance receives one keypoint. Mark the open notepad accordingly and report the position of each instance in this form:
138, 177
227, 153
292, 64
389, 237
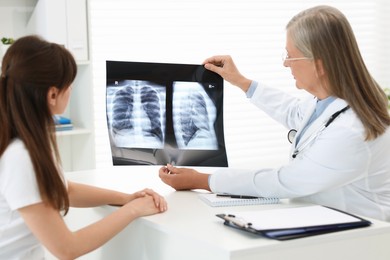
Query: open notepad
216, 201
289, 223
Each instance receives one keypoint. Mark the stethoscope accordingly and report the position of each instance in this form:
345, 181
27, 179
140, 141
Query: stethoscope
292, 133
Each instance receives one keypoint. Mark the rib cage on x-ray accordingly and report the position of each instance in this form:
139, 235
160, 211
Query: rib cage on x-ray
151, 103
137, 116
194, 117
122, 109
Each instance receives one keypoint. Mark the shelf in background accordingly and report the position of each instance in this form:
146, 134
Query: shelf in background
74, 131
82, 62
64, 22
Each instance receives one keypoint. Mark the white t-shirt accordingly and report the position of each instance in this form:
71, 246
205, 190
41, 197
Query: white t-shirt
18, 188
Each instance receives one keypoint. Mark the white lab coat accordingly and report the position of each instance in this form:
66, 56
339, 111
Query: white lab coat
338, 169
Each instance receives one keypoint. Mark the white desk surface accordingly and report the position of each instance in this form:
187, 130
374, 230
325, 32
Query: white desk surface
190, 229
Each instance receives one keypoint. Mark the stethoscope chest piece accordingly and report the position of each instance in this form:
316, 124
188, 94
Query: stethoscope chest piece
291, 135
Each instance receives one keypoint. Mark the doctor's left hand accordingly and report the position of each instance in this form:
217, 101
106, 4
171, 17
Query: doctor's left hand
183, 178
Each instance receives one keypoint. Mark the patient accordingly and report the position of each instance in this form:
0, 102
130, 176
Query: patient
36, 80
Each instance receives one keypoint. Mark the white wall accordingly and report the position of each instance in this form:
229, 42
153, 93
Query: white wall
14, 15
252, 31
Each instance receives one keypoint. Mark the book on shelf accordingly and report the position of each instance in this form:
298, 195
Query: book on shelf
62, 123
64, 127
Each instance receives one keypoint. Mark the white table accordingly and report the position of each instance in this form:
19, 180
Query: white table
190, 229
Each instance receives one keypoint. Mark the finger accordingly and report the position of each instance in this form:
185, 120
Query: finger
140, 194
163, 205
149, 191
163, 169
214, 68
208, 60
163, 172
158, 202
217, 60
171, 169
156, 197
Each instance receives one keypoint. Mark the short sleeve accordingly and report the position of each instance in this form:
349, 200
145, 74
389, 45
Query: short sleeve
18, 183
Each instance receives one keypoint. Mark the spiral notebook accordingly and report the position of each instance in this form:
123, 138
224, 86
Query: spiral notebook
213, 200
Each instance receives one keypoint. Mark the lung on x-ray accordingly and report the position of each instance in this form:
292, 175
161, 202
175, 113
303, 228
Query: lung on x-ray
159, 113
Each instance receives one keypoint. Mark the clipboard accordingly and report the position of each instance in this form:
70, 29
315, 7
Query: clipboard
291, 223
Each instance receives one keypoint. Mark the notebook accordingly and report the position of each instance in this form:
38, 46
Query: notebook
213, 200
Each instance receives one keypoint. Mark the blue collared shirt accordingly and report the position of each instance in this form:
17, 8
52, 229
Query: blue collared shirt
320, 107
251, 89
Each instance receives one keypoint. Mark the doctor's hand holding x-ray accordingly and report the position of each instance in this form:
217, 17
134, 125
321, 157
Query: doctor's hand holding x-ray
341, 139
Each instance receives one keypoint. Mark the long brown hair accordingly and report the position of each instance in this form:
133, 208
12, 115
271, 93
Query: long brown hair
324, 33
29, 68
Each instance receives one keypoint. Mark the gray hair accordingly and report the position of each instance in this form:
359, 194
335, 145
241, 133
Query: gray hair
324, 33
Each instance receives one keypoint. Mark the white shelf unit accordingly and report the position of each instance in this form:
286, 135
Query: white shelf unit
77, 145
64, 22
74, 131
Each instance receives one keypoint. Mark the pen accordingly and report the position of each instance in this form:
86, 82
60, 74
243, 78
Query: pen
169, 171
166, 167
237, 196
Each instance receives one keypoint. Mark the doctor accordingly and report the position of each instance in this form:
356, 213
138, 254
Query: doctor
340, 137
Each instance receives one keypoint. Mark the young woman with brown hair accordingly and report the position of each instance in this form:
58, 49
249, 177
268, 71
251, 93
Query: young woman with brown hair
36, 78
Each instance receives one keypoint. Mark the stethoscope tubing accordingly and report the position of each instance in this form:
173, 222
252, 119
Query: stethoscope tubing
301, 146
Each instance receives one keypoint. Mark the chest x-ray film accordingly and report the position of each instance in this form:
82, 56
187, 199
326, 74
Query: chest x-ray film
159, 113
